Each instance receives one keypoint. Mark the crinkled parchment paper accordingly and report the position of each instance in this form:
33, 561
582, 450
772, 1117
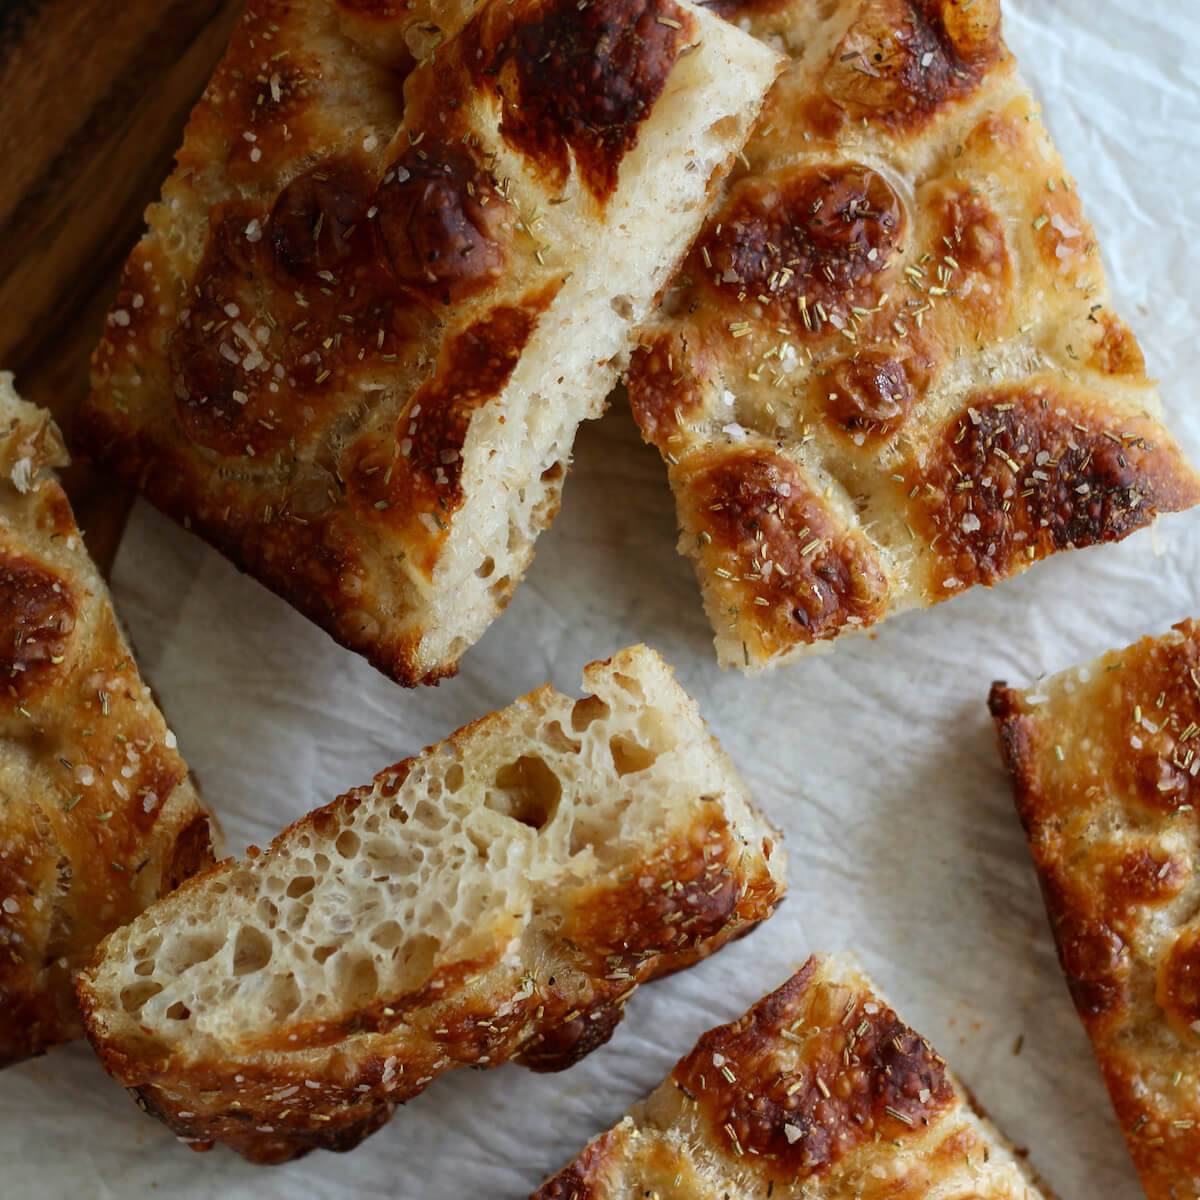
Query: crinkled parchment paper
877, 760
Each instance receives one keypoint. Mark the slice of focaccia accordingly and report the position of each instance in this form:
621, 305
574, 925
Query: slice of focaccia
98, 816
820, 1092
499, 896
888, 370
355, 344
1105, 762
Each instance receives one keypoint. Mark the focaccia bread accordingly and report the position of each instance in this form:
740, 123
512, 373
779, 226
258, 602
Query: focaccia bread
355, 344
820, 1092
498, 896
98, 816
888, 370
1105, 762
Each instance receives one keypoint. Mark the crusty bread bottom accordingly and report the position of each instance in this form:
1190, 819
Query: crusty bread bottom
498, 896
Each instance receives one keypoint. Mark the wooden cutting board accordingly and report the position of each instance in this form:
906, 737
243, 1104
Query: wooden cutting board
96, 94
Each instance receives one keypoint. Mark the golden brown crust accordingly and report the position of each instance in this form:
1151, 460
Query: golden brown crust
819, 1091
1103, 762
330, 242
1025, 471
542, 989
787, 568
900, 248
97, 814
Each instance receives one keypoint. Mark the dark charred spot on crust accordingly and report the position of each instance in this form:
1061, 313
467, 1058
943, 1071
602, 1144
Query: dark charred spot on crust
1116, 352
1090, 950
37, 619
575, 1181
768, 534
414, 478
283, 304
859, 1074
871, 392
1178, 985
191, 853
1018, 475
572, 1040
903, 60
803, 246
443, 224
663, 386
577, 82
206, 360
313, 219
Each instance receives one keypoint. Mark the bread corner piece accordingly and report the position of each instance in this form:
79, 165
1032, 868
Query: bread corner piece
354, 346
890, 369
820, 1092
98, 816
497, 897
1105, 767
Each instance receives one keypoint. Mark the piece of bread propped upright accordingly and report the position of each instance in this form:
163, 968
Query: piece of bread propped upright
353, 349
820, 1092
98, 816
497, 897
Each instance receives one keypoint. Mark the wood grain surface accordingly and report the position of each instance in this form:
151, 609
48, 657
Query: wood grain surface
96, 95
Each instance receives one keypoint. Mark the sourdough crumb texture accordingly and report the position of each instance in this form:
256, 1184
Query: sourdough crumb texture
889, 369
498, 896
98, 816
353, 349
820, 1092
1105, 769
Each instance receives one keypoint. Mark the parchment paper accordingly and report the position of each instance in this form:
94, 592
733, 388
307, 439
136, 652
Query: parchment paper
878, 760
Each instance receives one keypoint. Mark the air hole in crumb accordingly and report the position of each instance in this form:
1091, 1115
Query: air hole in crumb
189, 950
251, 951
529, 791
178, 1011
629, 684
323, 953
556, 738
300, 886
359, 982
630, 756
623, 305
388, 935
726, 129
321, 862
283, 996
553, 473
134, 996
587, 710
347, 843
485, 568
145, 967
454, 777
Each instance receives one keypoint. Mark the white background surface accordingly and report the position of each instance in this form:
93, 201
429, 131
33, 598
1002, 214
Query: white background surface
878, 761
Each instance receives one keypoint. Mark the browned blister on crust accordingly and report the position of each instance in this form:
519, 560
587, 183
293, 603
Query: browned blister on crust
496, 898
774, 544
98, 816
344, 255
820, 1090
1104, 762
900, 247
